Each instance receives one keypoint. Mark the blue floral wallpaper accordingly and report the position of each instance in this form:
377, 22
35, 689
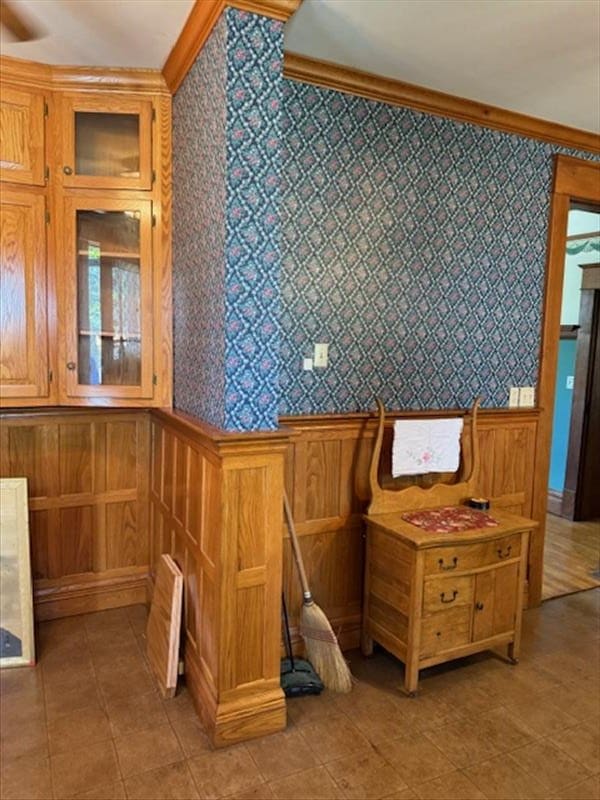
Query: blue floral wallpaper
226, 248
254, 88
199, 233
415, 246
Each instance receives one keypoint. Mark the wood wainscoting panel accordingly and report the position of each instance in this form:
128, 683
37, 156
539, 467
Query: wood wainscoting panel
326, 475
87, 474
216, 504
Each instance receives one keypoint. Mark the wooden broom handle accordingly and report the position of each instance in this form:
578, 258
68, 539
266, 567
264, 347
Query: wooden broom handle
296, 548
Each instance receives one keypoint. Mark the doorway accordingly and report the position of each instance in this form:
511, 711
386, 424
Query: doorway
572, 545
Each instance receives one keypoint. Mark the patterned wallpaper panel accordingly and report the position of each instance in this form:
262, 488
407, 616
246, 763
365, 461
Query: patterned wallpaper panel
227, 161
254, 87
199, 233
415, 246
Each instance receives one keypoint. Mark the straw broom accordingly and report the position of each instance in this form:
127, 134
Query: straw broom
322, 648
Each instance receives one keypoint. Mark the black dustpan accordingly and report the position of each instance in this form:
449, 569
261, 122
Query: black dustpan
297, 674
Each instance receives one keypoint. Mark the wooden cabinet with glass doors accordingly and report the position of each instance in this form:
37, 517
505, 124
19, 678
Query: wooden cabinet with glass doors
108, 297
86, 253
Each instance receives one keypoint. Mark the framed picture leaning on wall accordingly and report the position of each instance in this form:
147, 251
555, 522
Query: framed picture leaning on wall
16, 599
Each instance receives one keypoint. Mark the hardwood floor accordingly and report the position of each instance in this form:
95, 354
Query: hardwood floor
571, 556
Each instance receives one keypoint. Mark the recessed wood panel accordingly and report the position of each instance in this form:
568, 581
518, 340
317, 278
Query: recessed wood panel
323, 462
75, 457
208, 625
74, 542
124, 546
121, 455
250, 635
181, 481
191, 600
33, 454
21, 137
195, 495
40, 535
209, 544
168, 470
249, 492
156, 460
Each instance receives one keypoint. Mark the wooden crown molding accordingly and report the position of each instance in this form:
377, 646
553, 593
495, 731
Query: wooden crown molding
198, 27
398, 93
80, 79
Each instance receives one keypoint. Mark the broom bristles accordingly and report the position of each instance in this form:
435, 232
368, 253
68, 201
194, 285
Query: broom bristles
323, 650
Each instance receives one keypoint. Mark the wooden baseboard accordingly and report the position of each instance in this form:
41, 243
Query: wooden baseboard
84, 594
247, 716
555, 500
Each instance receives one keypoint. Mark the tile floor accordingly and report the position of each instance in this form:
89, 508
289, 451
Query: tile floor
88, 723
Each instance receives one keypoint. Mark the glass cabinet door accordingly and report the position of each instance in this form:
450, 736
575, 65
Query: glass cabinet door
107, 146
109, 298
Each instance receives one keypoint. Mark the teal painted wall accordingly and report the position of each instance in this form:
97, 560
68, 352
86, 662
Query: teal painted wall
562, 414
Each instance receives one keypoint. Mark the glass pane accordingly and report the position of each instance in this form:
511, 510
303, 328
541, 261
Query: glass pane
107, 144
109, 298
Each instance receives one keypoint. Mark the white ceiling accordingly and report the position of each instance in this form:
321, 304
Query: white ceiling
539, 57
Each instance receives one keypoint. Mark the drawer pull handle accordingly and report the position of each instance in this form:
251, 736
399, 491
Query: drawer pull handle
67, 170
439, 634
449, 566
452, 599
506, 553
71, 365
479, 606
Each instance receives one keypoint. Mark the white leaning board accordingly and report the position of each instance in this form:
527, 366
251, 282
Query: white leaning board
16, 598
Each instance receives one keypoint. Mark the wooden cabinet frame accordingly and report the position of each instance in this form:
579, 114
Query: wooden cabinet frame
73, 103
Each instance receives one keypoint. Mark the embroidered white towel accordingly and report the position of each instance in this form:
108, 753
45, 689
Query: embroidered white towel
426, 445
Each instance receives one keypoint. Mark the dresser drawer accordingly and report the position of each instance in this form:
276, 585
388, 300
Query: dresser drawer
445, 630
460, 557
441, 594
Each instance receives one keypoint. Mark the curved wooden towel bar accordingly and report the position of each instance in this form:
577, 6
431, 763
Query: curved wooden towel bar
387, 501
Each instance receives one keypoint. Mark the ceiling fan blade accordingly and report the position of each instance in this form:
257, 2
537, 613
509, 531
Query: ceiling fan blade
13, 22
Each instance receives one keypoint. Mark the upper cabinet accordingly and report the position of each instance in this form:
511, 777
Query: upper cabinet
22, 136
106, 142
108, 297
86, 251
24, 365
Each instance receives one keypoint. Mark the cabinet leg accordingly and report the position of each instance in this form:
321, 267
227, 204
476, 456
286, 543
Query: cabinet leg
513, 653
411, 678
366, 644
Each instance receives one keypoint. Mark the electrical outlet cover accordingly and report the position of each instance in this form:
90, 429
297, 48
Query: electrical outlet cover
513, 397
321, 355
307, 364
527, 396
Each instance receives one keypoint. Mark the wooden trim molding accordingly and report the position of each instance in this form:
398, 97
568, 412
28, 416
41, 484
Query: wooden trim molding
80, 79
398, 93
574, 180
199, 25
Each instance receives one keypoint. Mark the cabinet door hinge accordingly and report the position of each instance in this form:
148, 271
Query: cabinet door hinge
153, 220
47, 217
47, 173
153, 176
153, 115
49, 376
45, 109
154, 380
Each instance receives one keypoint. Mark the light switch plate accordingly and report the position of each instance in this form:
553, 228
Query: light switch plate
527, 396
513, 397
570, 381
321, 355
307, 364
